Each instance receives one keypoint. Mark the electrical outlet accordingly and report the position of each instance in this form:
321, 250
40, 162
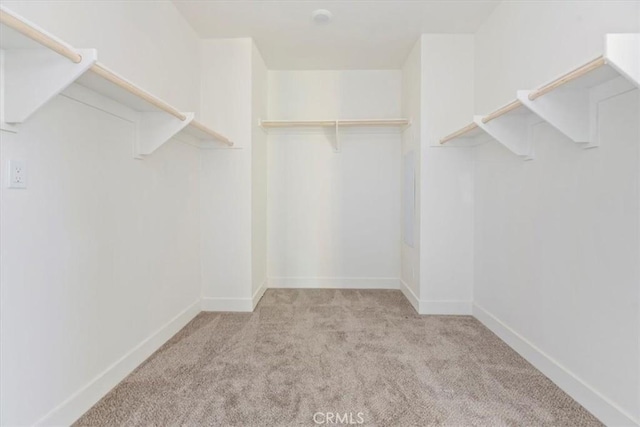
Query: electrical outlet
17, 171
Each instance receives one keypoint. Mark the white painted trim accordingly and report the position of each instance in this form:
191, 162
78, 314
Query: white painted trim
408, 293
234, 304
82, 400
227, 304
249, 304
436, 307
601, 407
446, 307
335, 282
258, 294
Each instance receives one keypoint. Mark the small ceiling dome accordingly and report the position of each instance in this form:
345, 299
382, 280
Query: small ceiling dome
321, 16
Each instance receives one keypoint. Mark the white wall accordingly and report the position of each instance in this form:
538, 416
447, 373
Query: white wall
259, 98
557, 239
411, 137
101, 252
523, 45
226, 175
147, 42
98, 254
233, 181
446, 248
334, 218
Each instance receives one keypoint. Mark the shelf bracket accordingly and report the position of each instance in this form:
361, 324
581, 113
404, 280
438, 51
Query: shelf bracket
336, 149
567, 110
574, 111
621, 52
514, 131
153, 129
32, 77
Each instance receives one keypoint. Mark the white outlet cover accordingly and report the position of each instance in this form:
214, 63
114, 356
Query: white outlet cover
17, 174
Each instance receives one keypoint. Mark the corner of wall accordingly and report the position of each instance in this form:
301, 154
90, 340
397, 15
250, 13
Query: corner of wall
411, 136
226, 185
446, 230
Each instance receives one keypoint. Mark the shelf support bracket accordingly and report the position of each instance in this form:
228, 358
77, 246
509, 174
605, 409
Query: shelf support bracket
574, 112
621, 52
336, 149
32, 77
512, 131
153, 129
567, 110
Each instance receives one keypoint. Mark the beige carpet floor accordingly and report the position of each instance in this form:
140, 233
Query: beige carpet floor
360, 352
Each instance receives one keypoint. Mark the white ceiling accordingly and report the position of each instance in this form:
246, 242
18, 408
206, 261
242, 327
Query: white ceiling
364, 34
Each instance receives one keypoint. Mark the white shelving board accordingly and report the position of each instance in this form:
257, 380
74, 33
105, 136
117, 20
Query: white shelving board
568, 103
32, 74
267, 124
509, 125
157, 119
623, 53
104, 87
336, 124
513, 128
194, 134
468, 136
37, 66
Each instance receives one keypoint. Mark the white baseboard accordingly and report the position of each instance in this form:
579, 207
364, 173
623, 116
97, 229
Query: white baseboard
584, 394
408, 293
441, 307
257, 296
234, 304
249, 304
446, 307
82, 400
227, 304
335, 282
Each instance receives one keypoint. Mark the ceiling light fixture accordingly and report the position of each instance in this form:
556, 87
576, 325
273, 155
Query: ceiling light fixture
321, 16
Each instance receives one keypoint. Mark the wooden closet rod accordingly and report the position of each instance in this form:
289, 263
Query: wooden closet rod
340, 122
502, 111
130, 87
38, 36
373, 122
467, 128
213, 133
297, 123
572, 75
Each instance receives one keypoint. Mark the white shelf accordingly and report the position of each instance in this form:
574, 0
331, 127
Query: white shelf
568, 103
374, 122
468, 136
335, 124
157, 121
37, 66
622, 53
108, 83
509, 125
203, 137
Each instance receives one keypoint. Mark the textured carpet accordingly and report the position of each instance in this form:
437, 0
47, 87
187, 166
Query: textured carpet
364, 355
